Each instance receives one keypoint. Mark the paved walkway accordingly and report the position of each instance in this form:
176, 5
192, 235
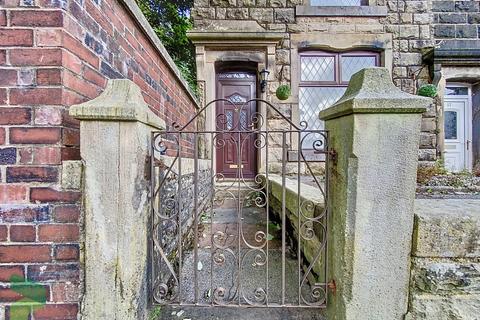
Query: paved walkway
253, 268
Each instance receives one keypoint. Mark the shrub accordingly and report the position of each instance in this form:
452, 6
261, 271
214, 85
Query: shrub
427, 90
424, 174
283, 92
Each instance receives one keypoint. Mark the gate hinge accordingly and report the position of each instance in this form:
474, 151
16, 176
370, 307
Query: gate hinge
332, 286
148, 168
333, 155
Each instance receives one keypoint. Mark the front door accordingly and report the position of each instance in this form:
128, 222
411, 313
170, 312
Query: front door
457, 125
236, 152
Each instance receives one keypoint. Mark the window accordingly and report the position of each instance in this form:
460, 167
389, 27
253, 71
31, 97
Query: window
324, 78
335, 3
456, 91
451, 125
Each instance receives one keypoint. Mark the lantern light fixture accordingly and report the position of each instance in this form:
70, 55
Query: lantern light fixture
263, 79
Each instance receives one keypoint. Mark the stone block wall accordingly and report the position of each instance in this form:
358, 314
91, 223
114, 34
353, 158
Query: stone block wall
456, 20
445, 276
54, 54
408, 22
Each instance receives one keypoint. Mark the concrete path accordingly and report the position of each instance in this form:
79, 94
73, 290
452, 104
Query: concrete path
253, 275
224, 313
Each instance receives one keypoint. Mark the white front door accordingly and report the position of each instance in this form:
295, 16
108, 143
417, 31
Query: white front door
457, 126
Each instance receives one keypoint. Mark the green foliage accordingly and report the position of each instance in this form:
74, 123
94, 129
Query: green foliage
155, 313
427, 90
424, 174
283, 92
171, 20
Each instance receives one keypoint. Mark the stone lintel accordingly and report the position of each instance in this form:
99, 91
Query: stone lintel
341, 11
121, 100
236, 37
245, 33
371, 90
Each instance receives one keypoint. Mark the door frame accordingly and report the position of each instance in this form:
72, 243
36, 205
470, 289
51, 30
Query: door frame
468, 120
244, 68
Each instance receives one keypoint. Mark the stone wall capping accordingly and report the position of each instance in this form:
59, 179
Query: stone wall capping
368, 91
121, 100
447, 228
132, 6
360, 11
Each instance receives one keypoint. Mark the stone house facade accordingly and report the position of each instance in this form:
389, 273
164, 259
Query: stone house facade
455, 64
54, 54
296, 40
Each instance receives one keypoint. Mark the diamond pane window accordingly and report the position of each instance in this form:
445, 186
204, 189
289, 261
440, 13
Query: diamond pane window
318, 68
324, 79
315, 99
351, 65
336, 3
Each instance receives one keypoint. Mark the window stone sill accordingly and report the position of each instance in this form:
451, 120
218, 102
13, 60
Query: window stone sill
360, 11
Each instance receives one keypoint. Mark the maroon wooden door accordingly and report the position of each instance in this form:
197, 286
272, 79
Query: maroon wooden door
236, 119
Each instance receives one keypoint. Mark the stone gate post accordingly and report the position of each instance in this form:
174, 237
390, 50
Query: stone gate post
115, 131
374, 129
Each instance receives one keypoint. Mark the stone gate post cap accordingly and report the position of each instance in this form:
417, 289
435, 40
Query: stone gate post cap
121, 100
371, 90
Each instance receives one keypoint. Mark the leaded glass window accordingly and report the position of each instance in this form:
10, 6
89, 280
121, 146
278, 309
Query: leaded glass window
336, 3
324, 78
318, 68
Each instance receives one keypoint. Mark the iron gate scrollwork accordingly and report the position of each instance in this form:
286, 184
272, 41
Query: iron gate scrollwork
240, 241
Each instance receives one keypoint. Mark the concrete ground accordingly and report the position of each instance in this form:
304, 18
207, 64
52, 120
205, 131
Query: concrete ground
253, 274
231, 313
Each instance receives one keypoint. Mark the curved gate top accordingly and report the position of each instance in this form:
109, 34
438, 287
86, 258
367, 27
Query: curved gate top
239, 214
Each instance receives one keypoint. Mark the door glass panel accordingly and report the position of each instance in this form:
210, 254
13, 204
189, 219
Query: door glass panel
229, 116
243, 120
236, 98
318, 68
456, 91
351, 65
450, 125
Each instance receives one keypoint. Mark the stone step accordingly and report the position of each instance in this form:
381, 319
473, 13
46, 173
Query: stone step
236, 313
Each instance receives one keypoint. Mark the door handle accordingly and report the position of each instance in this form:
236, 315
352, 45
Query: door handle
468, 145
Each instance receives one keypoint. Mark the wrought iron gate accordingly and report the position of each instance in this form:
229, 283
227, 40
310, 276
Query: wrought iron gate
240, 241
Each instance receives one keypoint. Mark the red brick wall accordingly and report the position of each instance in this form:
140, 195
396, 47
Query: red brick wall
55, 53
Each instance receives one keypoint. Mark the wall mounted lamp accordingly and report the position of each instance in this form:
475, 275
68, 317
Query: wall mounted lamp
263, 80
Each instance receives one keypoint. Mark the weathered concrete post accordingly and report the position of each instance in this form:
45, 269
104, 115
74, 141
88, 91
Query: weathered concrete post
115, 138
375, 129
